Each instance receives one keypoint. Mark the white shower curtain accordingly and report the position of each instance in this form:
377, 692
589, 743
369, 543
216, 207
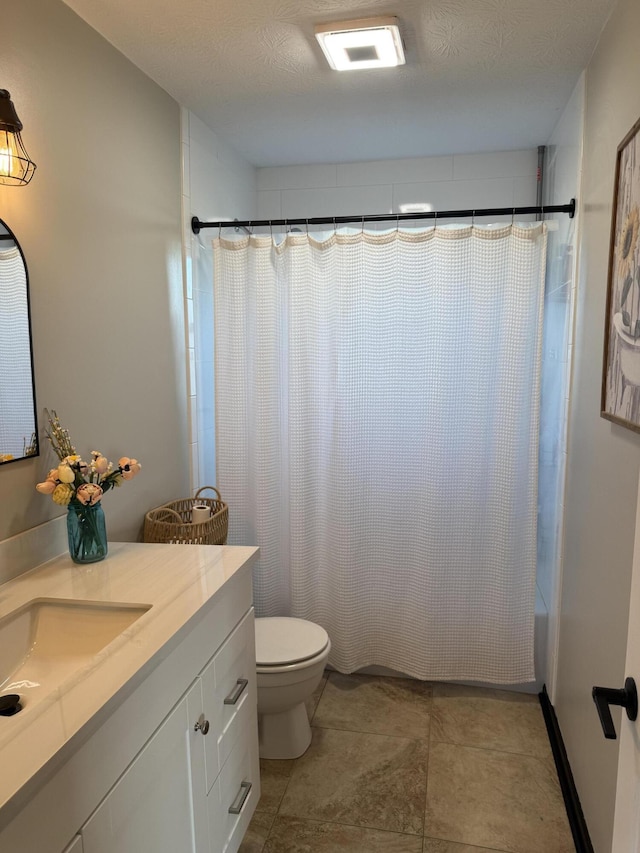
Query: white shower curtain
377, 407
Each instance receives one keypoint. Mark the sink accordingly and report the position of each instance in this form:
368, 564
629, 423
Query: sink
46, 640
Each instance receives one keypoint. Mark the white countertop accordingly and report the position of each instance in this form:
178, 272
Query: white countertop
175, 580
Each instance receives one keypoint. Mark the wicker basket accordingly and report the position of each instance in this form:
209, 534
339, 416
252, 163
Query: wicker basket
171, 523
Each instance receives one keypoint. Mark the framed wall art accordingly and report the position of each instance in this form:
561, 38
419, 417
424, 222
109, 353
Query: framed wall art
621, 369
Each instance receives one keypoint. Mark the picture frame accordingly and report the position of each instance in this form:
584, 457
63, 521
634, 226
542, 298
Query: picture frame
621, 362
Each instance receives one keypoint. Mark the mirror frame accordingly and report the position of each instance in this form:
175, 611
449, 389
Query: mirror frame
33, 378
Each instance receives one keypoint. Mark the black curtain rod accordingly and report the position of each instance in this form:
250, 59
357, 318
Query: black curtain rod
197, 225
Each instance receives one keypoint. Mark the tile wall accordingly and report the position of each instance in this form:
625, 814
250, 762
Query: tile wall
563, 175
217, 184
495, 179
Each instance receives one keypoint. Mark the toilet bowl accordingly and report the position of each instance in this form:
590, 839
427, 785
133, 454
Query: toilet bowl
290, 658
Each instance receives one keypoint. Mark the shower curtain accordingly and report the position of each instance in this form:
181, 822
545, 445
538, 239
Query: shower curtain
377, 417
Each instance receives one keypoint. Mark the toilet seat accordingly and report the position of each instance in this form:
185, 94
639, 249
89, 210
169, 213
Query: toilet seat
283, 641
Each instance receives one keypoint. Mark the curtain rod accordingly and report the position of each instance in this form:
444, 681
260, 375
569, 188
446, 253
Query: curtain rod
197, 225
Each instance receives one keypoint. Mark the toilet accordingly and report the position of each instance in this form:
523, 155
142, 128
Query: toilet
290, 658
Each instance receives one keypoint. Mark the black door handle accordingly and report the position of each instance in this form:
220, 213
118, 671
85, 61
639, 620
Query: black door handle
605, 696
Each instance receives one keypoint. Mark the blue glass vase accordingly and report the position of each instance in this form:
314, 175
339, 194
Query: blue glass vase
87, 532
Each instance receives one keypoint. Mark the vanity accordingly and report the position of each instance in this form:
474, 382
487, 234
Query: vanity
142, 735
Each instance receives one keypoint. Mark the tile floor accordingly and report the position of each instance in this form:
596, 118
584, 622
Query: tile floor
401, 766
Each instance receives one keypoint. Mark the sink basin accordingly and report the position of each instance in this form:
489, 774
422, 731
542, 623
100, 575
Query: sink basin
46, 640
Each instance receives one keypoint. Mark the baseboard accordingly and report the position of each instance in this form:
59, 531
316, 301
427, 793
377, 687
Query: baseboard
565, 776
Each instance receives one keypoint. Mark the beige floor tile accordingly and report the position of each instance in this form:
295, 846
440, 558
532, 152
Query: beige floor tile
360, 779
292, 835
365, 703
274, 778
256, 835
436, 845
490, 719
312, 701
498, 800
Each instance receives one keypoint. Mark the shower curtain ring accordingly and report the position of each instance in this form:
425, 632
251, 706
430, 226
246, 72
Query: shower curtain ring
362, 229
398, 223
271, 228
473, 218
306, 225
219, 230
513, 216
435, 221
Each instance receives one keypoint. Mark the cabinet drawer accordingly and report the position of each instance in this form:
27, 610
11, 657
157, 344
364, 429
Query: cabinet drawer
229, 695
235, 794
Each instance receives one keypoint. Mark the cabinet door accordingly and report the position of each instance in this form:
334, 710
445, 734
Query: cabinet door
150, 809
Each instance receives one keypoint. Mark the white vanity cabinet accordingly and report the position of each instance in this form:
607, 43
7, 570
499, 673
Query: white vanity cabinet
170, 763
195, 784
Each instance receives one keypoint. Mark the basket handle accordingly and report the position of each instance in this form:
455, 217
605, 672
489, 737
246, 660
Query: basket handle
204, 489
161, 513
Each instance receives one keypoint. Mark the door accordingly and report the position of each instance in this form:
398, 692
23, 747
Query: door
626, 831
151, 809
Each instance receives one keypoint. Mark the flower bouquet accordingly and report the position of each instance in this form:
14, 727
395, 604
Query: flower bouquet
80, 486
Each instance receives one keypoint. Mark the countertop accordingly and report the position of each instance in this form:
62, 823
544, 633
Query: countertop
177, 581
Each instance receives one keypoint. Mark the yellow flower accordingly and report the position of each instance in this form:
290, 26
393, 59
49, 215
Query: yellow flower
62, 494
627, 240
65, 474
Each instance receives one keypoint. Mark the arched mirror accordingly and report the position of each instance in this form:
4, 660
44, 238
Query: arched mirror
18, 425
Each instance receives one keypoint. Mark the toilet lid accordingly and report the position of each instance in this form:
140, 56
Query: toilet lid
282, 640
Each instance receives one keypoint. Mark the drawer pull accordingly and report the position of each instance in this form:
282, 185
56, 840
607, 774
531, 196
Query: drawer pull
236, 693
202, 725
238, 803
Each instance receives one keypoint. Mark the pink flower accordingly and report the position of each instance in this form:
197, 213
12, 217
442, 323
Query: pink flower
46, 488
100, 464
129, 467
89, 493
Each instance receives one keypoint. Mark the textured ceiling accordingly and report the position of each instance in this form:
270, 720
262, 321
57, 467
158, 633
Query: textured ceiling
480, 75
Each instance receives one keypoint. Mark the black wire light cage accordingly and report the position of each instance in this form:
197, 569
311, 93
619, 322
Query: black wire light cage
16, 167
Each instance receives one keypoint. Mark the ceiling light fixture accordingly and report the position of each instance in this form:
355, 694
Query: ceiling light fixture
16, 167
365, 43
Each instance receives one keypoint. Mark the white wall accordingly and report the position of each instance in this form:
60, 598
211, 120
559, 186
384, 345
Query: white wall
563, 171
218, 184
100, 228
499, 179
603, 459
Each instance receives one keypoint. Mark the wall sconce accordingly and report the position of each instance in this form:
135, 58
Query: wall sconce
16, 167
